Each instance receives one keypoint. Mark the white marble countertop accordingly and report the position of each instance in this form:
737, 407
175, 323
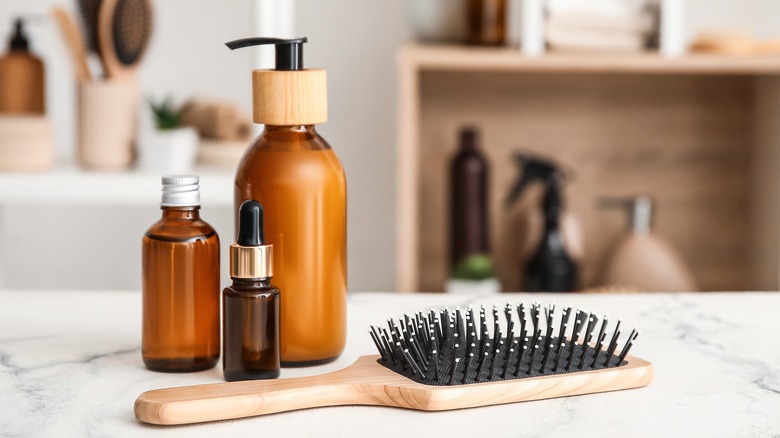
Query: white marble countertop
70, 365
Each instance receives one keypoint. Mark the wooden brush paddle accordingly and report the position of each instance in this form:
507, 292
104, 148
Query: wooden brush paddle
433, 362
124, 29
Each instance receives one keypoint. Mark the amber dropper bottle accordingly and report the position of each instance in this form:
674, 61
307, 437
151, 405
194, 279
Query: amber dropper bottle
180, 283
251, 303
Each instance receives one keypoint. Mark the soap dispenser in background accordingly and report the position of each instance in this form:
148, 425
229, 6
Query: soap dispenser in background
642, 259
21, 76
293, 172
551, 237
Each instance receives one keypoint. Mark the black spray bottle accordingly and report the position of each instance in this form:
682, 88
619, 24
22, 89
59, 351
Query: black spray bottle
251, 304
550, 267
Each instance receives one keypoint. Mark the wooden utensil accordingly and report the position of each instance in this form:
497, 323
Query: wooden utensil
366, 382
124, 28
74, 41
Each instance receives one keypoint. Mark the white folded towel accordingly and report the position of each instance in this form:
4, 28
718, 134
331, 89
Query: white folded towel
619, 9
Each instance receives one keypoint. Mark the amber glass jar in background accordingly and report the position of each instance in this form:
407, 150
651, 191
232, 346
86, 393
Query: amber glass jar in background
486, 22
298, 179
180, 284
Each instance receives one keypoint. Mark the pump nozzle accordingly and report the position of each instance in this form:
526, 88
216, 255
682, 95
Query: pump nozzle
18, 40
288, 95
532, 169
289, 52
640, 209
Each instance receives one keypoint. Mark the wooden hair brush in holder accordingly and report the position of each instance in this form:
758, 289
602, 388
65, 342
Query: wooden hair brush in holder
434, 362
124, 29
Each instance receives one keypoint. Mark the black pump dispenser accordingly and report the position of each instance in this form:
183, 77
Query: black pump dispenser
250, 224
289, 52
550, 269
18, 41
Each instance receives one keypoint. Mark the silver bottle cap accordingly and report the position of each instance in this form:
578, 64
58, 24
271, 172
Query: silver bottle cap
180, 191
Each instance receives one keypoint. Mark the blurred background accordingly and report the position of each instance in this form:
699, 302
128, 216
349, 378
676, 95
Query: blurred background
517, 145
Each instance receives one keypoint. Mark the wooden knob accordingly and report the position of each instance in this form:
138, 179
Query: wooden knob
287, 98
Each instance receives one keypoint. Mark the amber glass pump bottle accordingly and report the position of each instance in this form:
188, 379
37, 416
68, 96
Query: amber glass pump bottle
251, 304
180, 283
21, 76
299, 180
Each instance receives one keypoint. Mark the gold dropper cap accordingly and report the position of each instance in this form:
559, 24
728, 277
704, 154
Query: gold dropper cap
250, 256
251, 261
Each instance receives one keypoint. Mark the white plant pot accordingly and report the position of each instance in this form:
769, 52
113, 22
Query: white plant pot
167, 151
488, 286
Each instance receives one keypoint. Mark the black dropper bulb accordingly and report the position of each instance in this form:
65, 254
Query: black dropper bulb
250, 224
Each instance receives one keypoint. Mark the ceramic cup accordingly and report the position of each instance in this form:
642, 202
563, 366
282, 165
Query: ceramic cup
107, 121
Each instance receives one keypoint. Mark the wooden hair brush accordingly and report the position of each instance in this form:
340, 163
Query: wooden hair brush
437, 361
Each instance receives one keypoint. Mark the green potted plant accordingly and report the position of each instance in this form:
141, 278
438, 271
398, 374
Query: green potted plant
168, 147
475, 274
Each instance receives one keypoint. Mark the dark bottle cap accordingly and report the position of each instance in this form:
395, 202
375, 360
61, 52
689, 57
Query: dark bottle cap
18, 41
289, 52
469, 138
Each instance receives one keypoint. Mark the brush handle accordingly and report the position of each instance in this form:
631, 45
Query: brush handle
224, 401
368, 383
73, 39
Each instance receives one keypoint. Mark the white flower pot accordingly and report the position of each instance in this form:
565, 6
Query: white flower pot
487, 286
167, 151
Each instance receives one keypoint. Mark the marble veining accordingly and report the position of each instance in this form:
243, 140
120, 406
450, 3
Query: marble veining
70, 365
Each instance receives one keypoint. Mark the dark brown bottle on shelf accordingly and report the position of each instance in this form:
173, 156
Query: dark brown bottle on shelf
468, 200
486, 22
180, 283
251, 304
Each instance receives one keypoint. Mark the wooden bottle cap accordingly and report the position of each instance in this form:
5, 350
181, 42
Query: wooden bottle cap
285, 98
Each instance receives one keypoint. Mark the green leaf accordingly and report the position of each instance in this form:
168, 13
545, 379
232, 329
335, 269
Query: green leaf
166, 116
474, 267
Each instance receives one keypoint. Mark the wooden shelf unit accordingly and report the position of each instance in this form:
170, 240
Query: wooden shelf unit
698, 133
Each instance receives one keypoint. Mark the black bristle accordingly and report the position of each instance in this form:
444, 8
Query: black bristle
444, 347
561, 354
378, 344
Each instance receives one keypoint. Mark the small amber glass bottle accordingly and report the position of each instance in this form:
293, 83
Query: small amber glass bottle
486, 22
251, 304
180, 284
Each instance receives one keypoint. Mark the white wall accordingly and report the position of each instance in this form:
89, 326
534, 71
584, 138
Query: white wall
99, 248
